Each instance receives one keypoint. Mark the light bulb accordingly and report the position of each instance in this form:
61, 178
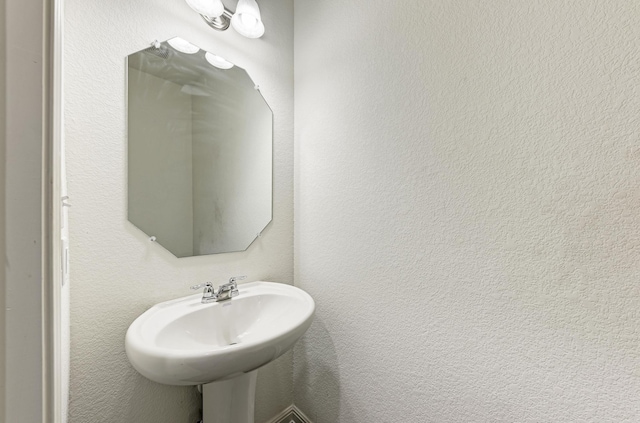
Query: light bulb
183, 46
217, 61
210, 8
247, 19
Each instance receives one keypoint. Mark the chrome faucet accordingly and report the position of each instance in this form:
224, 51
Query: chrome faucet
225, 292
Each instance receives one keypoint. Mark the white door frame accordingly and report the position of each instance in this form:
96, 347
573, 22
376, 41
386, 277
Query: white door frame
55, 382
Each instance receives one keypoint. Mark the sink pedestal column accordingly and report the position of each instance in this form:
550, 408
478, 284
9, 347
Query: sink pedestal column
230, 401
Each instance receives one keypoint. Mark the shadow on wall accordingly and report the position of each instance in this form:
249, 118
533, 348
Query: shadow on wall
274, 388
317, 367
186, 397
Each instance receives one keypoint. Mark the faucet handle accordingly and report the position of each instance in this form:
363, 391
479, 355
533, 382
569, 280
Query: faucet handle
235, 279
202, 285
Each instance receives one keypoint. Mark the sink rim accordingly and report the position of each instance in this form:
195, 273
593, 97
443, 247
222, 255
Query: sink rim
189, 306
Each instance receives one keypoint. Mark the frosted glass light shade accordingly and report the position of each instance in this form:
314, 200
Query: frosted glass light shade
210, 8
247, 20
217, 61
183, 46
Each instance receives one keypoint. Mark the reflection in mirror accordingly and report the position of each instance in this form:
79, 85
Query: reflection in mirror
200, 151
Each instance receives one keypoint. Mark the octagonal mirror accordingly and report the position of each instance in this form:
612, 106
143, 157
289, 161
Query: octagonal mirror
199, 150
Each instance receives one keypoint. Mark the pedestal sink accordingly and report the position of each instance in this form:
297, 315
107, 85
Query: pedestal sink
219, 345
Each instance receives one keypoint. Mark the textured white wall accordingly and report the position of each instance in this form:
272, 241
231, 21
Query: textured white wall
468, 210
116, 274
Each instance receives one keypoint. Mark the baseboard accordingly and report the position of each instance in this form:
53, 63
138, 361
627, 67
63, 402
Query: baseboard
290, 414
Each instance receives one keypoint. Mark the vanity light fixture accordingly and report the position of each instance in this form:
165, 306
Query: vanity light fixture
217, 61
246, 20
183, 46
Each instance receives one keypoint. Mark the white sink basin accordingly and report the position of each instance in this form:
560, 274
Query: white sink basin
185, 342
